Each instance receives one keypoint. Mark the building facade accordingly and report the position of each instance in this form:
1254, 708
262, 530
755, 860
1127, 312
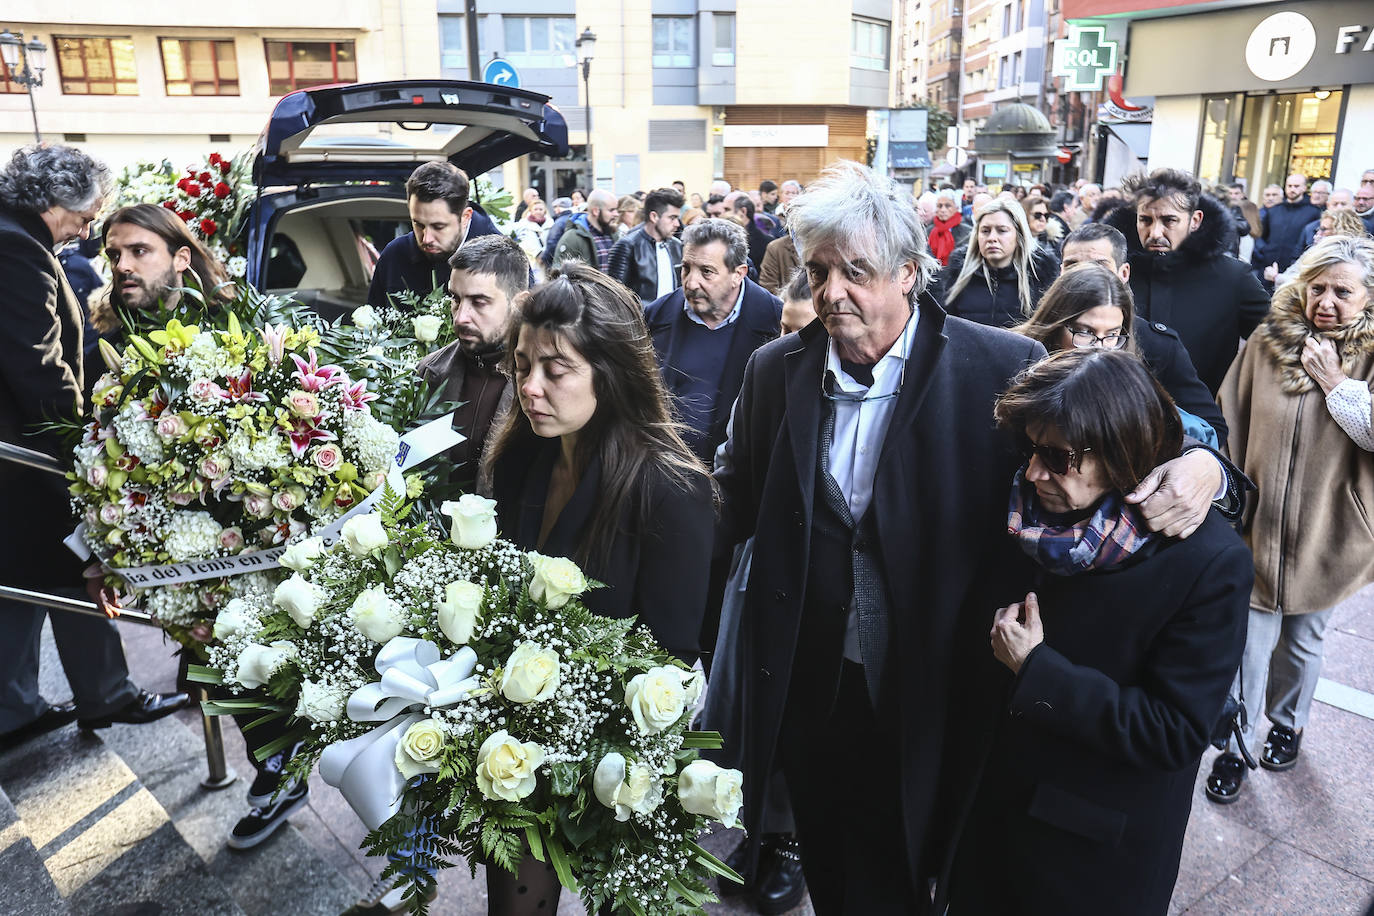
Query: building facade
685, 90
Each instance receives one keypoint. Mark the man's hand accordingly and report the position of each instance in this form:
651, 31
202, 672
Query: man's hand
1321, 361
104, 597
1012, 638
1174, 497
1271, 273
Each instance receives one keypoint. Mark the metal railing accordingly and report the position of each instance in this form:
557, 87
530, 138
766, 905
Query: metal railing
218, 774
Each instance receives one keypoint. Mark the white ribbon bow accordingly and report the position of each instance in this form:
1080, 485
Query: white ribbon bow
364, 769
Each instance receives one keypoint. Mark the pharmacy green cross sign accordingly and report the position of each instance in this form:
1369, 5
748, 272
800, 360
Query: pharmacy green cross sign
1084, 59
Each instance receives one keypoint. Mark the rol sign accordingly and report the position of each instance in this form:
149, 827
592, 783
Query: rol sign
1084, 59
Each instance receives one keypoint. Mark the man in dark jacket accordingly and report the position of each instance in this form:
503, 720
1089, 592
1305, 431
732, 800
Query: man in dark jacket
705, 332
48, 197
487, 274
1281, 225
442, 218
864, 456
1159, 344
647, 259
1181, 274
591, 235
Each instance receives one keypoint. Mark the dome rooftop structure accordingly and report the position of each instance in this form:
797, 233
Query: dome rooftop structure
1020, 131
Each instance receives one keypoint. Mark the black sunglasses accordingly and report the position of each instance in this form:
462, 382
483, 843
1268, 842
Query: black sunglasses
1056, 460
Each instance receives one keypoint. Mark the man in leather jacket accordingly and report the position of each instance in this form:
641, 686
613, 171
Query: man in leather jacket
648, 259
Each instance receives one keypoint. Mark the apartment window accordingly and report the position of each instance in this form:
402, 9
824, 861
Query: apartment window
1017, 76
1006, 20
540, 41
453, 46
673, 41
1003, 73
198, 67
293, 65
96, 66
868, 44
723, 53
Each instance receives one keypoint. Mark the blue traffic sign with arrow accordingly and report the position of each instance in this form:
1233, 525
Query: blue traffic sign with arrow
501, 73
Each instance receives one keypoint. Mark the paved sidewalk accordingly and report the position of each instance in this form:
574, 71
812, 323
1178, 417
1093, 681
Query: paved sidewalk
1300, 842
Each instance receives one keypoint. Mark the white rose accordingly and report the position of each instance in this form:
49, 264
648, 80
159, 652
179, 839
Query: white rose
427, 328
302, 555
231, 539
459, 610
694, 683
376, 616
365, 317
110, 513
321, 702
257, 506
706, 789
555, 580
474, 521
530, 675
234, 620
298, 598
364, 535
508, 769
633, 790
170, 426
657, 699
258, 663
420, 749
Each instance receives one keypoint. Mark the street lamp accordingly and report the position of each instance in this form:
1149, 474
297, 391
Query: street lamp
586, 44
25, 63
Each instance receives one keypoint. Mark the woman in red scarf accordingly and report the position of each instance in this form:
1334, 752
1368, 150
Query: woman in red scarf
948, 231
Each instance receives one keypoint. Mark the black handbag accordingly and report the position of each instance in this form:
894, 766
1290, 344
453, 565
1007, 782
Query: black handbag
1233, 721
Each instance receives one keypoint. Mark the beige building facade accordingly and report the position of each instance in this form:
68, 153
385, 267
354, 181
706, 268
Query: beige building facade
687, 90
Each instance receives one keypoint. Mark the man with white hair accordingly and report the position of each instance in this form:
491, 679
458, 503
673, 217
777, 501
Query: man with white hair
721, 186
1339, 199
1088, 197
48, 197
863, 456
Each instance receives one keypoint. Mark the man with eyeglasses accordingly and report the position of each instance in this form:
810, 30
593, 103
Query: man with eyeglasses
1364, 200
863, 455
1159, 345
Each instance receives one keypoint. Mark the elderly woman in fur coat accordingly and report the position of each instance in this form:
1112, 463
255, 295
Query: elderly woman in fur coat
1297, 402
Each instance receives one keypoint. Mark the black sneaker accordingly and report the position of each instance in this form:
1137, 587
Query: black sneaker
386, 896
1281, 749
1224, 782
267, 781
260, 823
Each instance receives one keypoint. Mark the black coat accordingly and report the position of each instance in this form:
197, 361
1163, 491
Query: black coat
939, 504
1281, 229
659, 564
1209, 297
634, 262
759, 321
41, 378
997, 303
403, 266
1084, 800
1163, 351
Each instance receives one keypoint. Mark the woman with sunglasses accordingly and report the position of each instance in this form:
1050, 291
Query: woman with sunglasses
1121, 656
1090, 306
1048, 232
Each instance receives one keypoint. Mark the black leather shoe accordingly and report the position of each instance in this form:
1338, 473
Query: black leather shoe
781, 885
1281, 749
738, 861
144, 708
1224, 782
56, 716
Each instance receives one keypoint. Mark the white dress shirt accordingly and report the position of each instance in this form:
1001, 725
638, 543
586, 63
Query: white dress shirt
860, 430
665, 269
729, 319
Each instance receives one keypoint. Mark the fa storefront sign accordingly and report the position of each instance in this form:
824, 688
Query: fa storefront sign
1085, 58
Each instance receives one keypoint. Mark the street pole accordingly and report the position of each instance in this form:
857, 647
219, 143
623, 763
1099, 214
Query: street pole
33, 109
587, 116
474, 55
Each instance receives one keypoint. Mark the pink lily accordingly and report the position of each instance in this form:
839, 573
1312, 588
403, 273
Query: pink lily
275, 338
356, 395
241, 389
313, 377
303, 432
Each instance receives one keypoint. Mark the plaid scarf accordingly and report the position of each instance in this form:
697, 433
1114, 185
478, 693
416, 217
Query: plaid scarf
603, 244
1113, 533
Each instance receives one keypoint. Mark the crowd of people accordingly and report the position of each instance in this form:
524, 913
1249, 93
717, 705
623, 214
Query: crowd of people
970, 505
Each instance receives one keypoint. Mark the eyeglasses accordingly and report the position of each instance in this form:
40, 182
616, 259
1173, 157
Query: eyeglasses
1087, 339
1056, 460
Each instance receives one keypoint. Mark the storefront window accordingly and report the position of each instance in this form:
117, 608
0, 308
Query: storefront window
1216, 116
1283, 134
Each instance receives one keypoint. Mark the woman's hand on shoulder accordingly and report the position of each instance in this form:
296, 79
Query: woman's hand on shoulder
1016, 630
1323, 363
